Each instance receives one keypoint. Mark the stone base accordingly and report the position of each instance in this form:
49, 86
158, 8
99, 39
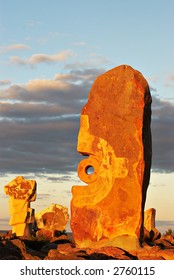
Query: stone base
22, 229
125, 242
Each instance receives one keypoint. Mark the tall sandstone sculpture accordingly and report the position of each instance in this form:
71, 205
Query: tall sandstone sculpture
115, 137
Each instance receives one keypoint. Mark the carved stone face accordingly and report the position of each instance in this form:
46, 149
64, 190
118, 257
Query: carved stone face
115, 137
106, 167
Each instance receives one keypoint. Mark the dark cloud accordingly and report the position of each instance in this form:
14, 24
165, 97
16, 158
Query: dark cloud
152, 89
163, 135
39, 125
80, 76
63, 178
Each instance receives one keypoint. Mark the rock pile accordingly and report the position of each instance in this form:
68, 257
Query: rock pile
63, 248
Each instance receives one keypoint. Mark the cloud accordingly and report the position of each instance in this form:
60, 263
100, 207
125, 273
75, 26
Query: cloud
5, 82
40, 121
153, 89
42, 58
94, 60
163, 135
14, 47
77, 76
81, 43
63, 178
39, 125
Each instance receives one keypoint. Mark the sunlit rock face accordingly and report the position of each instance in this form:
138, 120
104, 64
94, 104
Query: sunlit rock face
115, 137
21, 192
150, 231
54, 217
149, 219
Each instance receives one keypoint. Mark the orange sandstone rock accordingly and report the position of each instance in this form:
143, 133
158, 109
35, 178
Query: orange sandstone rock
115, 137
149, 219
21, 193
150, 232
54, 217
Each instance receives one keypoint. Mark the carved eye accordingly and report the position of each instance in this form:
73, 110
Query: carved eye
89, 169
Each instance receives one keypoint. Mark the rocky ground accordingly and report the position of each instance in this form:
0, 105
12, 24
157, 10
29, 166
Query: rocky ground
62, 247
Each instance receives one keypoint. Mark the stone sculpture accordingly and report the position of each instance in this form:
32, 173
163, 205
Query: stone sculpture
150, 231
149, 219
115, 137
54, 218
21, 193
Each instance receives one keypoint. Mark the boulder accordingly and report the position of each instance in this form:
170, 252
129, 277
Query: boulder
52, 219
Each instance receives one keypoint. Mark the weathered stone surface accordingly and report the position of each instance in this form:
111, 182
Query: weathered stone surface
115, 135
32, 249
55, 255
163, 243
150, 232
149, 219
151, 235
54, 218
169, 238
45, 233
21, 192
167, 254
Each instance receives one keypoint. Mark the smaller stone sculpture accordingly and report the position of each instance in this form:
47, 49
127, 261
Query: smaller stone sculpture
53, 218
149, 219
150, 231
21, 193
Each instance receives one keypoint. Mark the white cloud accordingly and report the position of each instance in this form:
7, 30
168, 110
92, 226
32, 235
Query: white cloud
13, 47
42, 58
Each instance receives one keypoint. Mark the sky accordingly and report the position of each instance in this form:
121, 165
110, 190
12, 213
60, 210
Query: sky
50, 54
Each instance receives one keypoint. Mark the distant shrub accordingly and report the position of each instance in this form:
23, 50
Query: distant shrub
169, 232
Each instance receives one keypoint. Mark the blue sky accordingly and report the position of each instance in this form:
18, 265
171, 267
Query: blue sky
50, 54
